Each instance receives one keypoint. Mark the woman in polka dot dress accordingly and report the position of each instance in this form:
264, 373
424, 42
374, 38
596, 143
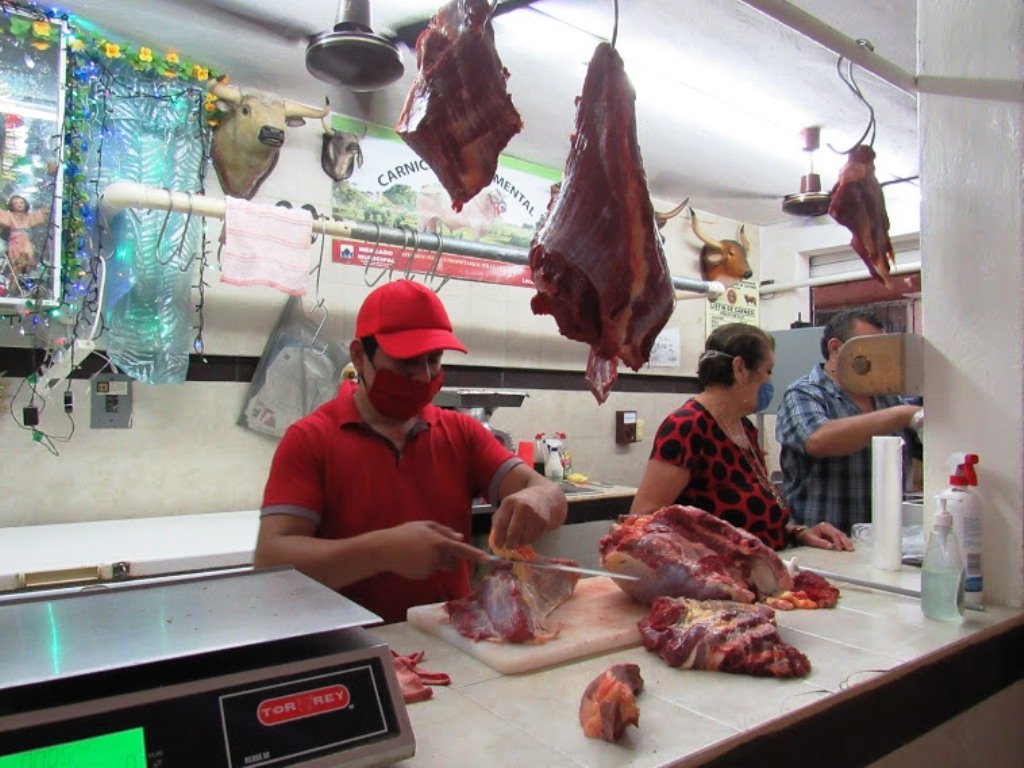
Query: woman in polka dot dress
706, 452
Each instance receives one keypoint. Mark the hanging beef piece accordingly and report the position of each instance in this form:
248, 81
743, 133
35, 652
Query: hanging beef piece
858, 204
597, 261
458, 115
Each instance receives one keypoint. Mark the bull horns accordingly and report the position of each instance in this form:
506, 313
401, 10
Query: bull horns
662, 218
297, 109
715, 244
232, 94
220, 88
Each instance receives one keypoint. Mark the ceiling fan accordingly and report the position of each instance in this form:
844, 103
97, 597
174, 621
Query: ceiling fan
810, 200
350, 54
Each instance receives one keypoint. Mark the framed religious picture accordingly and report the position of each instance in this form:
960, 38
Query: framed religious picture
32, 72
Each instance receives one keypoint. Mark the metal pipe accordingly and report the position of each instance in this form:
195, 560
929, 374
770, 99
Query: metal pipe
769, 288
126, 194
828, 37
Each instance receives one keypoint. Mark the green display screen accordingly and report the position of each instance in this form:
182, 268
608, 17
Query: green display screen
125, 749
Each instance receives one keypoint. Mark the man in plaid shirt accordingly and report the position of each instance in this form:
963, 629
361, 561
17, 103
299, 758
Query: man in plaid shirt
825, 434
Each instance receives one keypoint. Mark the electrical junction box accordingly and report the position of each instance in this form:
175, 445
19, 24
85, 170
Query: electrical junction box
111, 401
625, 427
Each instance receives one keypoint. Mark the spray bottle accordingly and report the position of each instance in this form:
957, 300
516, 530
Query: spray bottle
942, 572
554, 469
967, 523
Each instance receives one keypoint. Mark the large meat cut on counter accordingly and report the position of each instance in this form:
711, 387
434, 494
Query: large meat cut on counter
458, 115
858, 204
721, 636
512, 603
684, 551
597, 261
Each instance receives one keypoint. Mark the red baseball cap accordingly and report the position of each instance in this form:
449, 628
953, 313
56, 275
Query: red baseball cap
407, 319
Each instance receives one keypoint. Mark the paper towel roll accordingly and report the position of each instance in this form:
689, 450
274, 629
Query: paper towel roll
887, 502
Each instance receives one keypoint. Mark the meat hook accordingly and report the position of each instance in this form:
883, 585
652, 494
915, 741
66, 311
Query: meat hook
369, 261
321, 304
850, 82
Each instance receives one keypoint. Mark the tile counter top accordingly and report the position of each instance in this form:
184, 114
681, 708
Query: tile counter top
873, 651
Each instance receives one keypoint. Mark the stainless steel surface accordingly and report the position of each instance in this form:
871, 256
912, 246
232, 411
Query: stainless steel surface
565, 568
478, 398
84, 631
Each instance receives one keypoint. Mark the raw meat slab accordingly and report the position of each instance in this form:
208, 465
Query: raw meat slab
598, 618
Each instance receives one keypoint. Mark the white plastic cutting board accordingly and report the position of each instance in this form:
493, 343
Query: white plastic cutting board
599, 617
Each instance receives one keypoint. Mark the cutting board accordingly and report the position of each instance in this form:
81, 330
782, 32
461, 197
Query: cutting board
599, 617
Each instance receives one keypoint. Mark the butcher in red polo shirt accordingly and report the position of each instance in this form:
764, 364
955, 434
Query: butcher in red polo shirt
371, 494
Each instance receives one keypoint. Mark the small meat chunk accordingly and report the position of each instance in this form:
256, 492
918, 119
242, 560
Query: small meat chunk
609, 704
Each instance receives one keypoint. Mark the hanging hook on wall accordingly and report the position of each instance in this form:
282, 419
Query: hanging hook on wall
322, 305
615, 27
412, 256
369, 261
850, 82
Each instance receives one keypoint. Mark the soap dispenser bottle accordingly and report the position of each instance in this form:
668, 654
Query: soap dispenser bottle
554, 469
942, 571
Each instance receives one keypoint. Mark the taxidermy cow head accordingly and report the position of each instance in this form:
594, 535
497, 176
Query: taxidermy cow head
248, 139
341, 153
724, 261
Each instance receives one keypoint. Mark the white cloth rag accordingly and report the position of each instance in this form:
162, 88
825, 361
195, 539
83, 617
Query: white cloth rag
266, 245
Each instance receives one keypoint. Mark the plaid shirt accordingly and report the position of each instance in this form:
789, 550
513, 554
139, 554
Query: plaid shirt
836, 489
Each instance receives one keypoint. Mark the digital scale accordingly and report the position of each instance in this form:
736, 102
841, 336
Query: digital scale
244, 669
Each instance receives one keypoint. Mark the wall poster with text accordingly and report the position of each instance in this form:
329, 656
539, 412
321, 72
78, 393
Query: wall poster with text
737, 304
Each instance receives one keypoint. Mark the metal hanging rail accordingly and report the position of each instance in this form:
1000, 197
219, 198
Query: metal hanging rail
126, 194
828, 37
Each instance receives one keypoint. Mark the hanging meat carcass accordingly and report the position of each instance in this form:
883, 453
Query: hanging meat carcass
859, 205
597, 261
458, 115
722, 636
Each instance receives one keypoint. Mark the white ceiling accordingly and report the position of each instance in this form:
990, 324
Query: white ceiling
722, 89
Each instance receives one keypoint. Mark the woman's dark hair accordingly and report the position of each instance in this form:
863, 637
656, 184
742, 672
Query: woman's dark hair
840, 326
727, 342
12, 198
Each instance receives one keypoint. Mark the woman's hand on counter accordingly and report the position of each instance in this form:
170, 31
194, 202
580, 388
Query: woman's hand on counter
822, 536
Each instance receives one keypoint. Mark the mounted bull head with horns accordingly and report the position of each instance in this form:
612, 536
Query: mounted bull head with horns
341, 153
723, 261
248, 139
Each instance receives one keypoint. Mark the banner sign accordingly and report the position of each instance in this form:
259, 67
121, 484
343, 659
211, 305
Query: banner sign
394, 187
398, 262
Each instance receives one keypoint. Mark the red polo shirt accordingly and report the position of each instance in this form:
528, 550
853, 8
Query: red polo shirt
353, 480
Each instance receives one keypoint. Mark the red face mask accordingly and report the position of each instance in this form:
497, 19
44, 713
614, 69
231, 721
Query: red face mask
399, 397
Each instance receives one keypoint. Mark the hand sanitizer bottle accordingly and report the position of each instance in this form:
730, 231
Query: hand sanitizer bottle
942, 571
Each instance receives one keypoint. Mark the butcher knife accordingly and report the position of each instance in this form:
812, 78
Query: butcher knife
560, 567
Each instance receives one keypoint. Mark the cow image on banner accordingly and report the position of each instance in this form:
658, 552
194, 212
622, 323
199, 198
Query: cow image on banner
395, 188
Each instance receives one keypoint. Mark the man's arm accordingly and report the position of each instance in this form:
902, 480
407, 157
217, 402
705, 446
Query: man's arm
413, 550
843, 436
531, 505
